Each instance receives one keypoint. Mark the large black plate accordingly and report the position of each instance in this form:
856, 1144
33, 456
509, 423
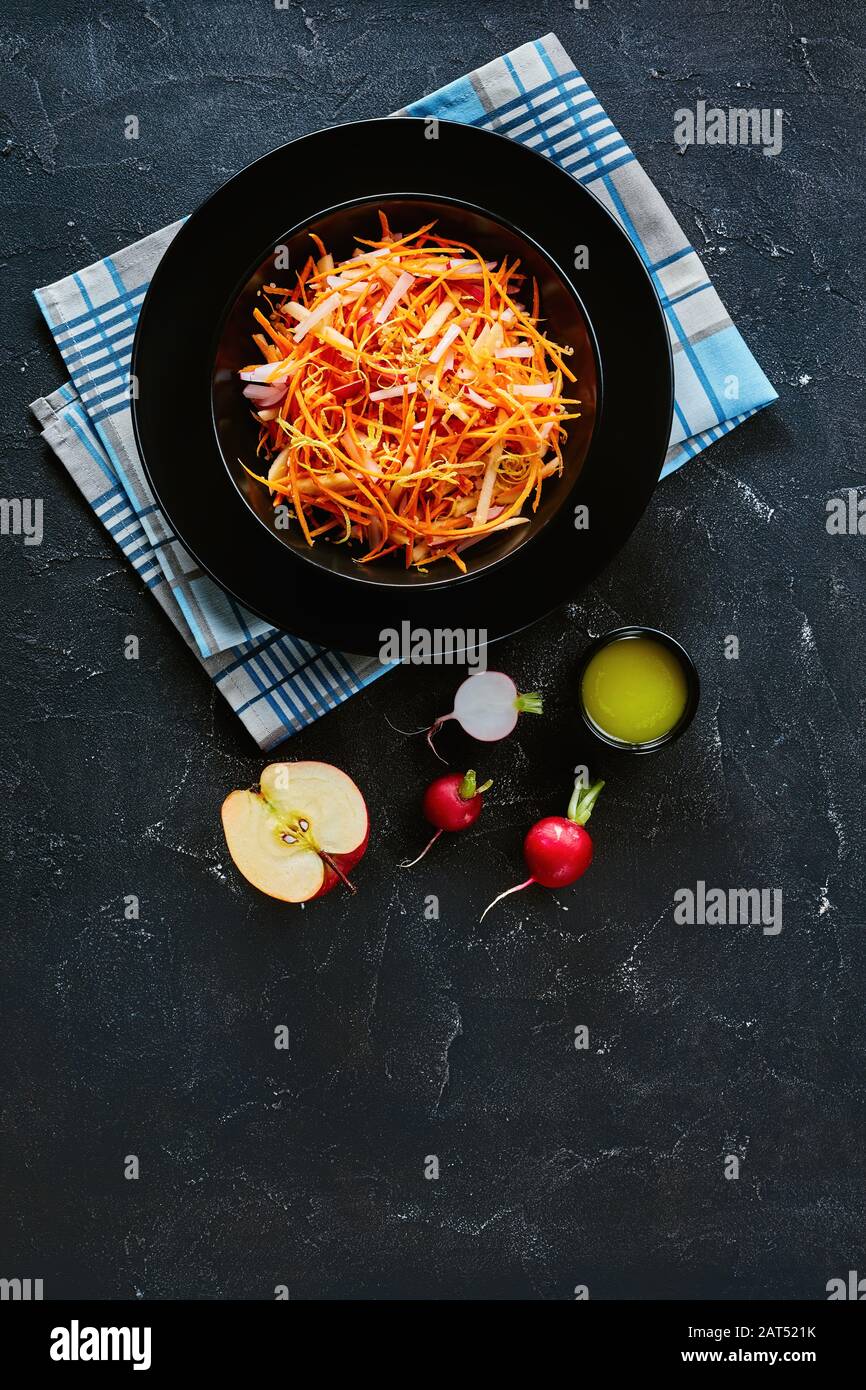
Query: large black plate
198, 279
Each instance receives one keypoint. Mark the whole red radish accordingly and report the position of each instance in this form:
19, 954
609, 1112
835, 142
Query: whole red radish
558, 849
452, 802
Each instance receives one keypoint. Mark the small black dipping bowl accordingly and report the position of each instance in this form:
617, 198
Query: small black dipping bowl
690, 672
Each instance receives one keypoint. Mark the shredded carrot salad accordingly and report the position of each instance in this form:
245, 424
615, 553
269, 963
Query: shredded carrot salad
408, 399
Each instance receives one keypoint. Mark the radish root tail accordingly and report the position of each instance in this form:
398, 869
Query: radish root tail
516, 889
430, 731
410, 863
433, 731
407, 733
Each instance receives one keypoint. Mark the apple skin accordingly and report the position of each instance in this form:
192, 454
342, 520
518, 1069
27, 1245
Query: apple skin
346, 862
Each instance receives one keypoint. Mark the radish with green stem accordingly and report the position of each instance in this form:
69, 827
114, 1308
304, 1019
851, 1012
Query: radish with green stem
452, 802
558, 849
486, 707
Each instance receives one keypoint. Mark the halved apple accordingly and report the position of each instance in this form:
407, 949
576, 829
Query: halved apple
299, 833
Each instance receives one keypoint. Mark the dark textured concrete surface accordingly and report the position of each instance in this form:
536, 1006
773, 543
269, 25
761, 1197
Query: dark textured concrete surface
412, 1037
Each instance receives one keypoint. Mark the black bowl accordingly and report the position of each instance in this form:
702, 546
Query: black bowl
199, 280
566, 323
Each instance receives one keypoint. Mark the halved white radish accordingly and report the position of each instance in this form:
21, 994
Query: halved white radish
486, 706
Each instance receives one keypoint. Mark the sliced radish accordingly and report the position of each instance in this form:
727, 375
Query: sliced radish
338, 340
376, 255
436, 320
519, 350
403, 282
349, 284
538, 392
327, 306
488, 483
277, 469
264, 374
265, 395
391, 393
486, 707
494, 530
444, 342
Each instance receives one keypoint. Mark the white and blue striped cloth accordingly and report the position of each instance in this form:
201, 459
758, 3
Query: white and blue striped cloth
276, 683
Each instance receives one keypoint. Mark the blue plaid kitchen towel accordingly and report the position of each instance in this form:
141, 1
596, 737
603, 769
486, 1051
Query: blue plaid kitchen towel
277, 684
